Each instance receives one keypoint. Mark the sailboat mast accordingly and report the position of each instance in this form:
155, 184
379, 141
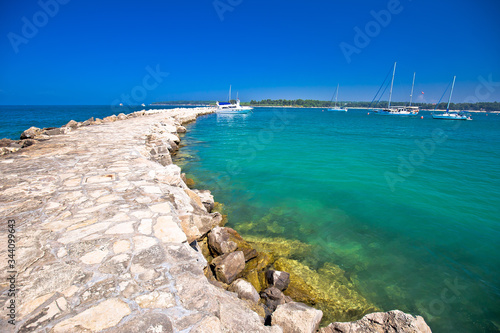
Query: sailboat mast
451, 92
336, 95
412, 85
229, 94
392, 84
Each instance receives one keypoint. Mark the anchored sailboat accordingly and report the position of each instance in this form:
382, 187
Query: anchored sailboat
230, 108
451, 115
335, 108
399, 110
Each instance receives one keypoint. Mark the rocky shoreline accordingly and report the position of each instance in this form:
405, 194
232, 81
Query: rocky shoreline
111, 238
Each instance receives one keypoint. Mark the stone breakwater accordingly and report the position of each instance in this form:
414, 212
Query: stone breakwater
108, 237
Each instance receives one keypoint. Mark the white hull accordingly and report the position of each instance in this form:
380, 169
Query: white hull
337, 110
398, 111
451, 116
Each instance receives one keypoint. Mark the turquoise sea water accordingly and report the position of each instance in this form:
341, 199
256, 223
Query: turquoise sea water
410, 207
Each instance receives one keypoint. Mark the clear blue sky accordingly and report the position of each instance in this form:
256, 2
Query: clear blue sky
93, 52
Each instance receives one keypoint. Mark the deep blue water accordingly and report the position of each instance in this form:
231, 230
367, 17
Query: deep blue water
408, 206
15, 119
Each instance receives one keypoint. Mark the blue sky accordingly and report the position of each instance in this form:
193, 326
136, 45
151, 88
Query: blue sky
100, 52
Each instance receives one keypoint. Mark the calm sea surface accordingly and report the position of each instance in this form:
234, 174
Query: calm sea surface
410, 207
15, 119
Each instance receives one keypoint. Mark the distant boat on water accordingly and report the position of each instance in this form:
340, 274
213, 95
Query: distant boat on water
335, 108
398, 110
451, 115
232, 108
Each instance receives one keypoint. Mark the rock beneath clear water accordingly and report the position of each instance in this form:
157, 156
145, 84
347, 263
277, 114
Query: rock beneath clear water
245, 290
228, 266
278, 279
381, 322
31, 132
297, 318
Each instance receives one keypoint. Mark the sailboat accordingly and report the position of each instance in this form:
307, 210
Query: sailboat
398, 110
230, 108
335, 108
451, 115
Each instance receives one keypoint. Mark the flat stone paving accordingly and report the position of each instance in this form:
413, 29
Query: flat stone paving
99, 244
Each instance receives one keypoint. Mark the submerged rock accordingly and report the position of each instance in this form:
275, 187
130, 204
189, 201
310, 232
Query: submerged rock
381, 322
297, 318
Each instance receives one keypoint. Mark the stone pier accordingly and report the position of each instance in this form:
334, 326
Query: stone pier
103, 227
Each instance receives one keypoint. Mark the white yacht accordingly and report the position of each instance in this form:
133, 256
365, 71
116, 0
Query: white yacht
230, 108
399, 110
451, 115
336, 108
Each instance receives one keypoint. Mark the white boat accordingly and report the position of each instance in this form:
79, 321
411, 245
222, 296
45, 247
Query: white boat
232, 108
399, 110
335, 108
451, 115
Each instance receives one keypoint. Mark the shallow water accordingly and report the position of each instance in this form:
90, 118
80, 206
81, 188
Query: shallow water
407, 207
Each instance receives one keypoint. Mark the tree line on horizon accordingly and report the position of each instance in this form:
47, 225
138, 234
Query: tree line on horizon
311, 103
479, 106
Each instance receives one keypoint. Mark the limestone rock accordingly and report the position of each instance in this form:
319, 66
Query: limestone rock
88, 122
206, 198
272, 298
109, 119
181, 129
223, 240
167, 230
219, 242
122, 116
104, 315
7, 142
72, 124
55, 131
245, 290
149, 322
208, 325
228, 266
156, 299
297, 318
279, 279
30, 133
381, 322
